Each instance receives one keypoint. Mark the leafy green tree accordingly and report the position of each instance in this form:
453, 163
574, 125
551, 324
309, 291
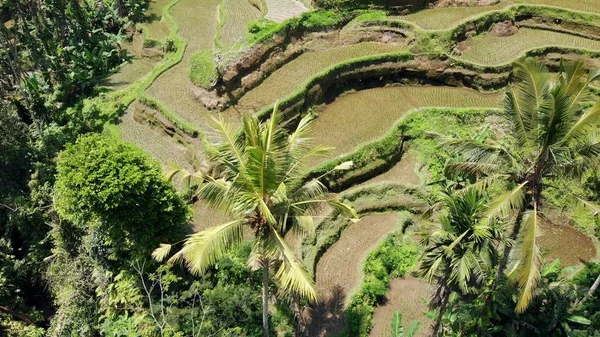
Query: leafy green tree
115, 190
261, 188
551, 135
461, 254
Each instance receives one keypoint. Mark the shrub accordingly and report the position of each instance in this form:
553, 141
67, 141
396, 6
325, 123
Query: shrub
203, 69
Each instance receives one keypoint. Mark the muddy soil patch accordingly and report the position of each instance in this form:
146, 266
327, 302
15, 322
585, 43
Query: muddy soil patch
566, 243
406, 295
339, 270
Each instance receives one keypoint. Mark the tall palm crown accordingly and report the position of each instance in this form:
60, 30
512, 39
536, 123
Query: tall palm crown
260, 187
552, 129
463, 250
460, 255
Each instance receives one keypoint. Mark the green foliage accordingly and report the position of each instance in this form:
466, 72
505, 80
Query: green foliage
263, 30
395, 257
203, 69
116, 191
399, 331
261, 27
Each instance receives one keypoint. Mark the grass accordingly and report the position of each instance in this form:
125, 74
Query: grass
492, 50
288, 78
203, 70
367, 115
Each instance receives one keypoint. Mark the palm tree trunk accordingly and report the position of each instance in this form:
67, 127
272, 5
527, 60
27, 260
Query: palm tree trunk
590, 292
438, 322
265, 299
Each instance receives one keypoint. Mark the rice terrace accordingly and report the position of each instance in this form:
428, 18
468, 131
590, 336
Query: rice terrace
344, 168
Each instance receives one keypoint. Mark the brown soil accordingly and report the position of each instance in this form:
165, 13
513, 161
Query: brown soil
339, 270
403, 172
566, 243
408, 296
505, 28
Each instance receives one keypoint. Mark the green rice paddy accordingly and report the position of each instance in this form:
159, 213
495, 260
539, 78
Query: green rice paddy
197, 21
493, 50
155, 26
160, 146
235, 16
289, 77
447, 17
366, 115
589, 6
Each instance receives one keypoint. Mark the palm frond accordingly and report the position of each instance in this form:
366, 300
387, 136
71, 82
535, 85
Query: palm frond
529, 261
160, 253
203, 249
511, 200
588, 118
292, 276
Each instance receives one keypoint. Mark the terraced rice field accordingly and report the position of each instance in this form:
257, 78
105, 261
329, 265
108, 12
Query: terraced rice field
447, 17
403, 173
155, 26
493, 50
281, 10
130, 72
288, 78
197, 21
160, 146
236, 14
589, 6
408, 296
341, 265
366, 115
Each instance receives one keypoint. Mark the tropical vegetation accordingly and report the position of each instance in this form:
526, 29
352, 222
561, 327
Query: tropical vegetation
161, 172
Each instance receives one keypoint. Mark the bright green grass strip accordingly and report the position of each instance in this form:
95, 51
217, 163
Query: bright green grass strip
203, 69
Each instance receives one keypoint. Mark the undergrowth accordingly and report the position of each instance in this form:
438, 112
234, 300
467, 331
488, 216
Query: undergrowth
203, 69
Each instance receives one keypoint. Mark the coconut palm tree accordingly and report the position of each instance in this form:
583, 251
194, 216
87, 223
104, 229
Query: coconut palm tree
261, 187
551, 134
460, 255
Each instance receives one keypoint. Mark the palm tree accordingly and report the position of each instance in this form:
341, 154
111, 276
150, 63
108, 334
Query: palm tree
551, 135
459, 255
261, 188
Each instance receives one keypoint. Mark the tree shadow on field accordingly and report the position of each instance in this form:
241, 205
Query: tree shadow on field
327, 317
